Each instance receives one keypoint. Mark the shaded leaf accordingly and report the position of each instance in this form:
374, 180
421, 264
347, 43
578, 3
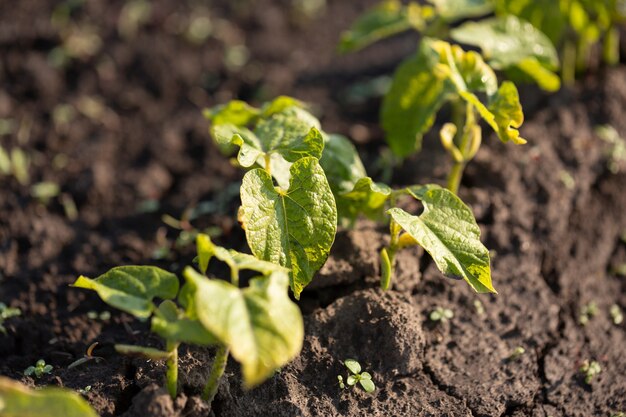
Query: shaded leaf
452, 10
367, 197
382, 21
293, 228
172, 324
132, 288
260, 325
448, 231
17, 400
341, 163
142, 352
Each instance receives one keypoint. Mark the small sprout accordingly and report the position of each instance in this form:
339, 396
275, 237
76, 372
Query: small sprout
567, 179
94, 315
616, 314
480, 309
39, 369
88, 357
363, 378
5, 313
441, 314
340, 380
587, 312
84, 391
590, 370
517, 353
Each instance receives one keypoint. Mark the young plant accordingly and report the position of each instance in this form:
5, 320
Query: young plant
590, 370
516, 354
363, 378
39, 370
616, 314
258, 325
17, 400
290, 209
5, 313
441, 314
587, 312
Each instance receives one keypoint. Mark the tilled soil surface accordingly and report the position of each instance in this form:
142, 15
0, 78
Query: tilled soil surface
552, 212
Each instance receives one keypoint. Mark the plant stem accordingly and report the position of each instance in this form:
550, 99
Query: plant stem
217, 370
171, 375
464, 134
568, 69
268, 165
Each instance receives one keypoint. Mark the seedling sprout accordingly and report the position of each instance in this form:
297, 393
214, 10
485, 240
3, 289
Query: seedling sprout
616, 314
590, 369
5, 313
356, 376
40, 369
441, 314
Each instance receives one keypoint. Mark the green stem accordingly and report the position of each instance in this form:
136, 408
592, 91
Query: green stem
171, 375
568, 71
268, 165
464, 134
217, 370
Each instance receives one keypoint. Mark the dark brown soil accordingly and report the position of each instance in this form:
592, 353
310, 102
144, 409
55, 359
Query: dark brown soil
137, 134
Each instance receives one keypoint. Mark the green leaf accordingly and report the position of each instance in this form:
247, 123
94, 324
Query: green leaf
280, 104
341, 163
173, 325
506, 41
367, 384
423, 83
448, 231
290, 136
367, 197
235, 112
352, 379
382, 21
132, 288
17, 400
250, 148
550, 17
545, 79
294, 228
260, 325
353, 365
235, 260
142, 352
409, 107
453, 10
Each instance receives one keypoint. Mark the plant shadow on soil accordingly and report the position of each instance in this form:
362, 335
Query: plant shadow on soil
554, 242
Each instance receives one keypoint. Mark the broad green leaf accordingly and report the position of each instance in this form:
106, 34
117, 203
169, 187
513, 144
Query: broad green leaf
132, 288
235, 112
545, 79
17, 400
416, 95
507, 41
341, 163
452, 10
382, 21
235, 260
550, 17
172, 324
250, 148
260, 325
294, 228
142, 352
367, 197
448, 231
353, 365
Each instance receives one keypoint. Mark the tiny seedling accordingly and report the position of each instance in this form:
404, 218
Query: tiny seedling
356, 376
616, 154
88, 357
616, 314
103, 316
441, 314
479, 307
516, 354
39, 369
587, 312
590, 369
84, 391
15, 163
5, 313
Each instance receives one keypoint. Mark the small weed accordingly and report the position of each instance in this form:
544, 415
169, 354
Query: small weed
587, 312
441, 314
616, 314
517, 353
363, 378
88, 357
590, 370
84, 391
103, 316
39, 369
5, 313
480, 308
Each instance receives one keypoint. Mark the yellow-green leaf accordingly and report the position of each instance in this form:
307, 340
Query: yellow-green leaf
294, 228
17, 400
448, 231
260, 325
132, 288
